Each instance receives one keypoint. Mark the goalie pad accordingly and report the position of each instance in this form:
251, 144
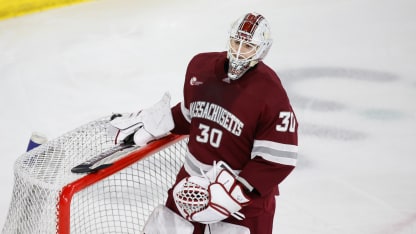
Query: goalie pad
211, 198
164, 221
146, 125
223, 227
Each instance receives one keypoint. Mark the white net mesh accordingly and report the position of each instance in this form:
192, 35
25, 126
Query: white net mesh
119, 203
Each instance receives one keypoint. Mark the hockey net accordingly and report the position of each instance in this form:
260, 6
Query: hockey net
49, 198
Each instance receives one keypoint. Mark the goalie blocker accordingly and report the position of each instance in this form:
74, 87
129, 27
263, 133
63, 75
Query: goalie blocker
132, 129
145, 125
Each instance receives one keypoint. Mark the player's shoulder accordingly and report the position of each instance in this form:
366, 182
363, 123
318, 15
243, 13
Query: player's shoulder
270, 84
267, 77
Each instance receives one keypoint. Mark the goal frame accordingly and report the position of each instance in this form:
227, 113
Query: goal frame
69, 190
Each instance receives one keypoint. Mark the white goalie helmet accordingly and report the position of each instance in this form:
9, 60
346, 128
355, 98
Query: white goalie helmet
249, 42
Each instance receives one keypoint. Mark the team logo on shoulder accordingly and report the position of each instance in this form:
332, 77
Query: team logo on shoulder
194, 81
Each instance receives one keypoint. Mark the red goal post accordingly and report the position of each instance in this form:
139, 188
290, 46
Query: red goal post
48, 198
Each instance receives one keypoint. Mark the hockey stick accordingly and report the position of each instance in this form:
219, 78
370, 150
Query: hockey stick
97, 162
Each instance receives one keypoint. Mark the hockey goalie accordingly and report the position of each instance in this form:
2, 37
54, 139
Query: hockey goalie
242, 138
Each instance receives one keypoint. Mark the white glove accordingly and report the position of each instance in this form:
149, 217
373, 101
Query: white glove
204, 200
146, 125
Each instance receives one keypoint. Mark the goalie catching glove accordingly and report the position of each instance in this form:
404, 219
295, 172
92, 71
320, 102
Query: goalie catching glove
143, 126
212, 197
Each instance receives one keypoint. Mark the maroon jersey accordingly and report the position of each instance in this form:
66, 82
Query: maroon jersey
248, 123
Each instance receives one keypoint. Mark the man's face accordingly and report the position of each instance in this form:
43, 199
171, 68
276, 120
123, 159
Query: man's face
242, 50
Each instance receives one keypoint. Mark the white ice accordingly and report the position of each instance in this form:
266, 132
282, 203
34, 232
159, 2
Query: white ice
348, 66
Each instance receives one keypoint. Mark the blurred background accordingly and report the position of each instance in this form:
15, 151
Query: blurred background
348, 66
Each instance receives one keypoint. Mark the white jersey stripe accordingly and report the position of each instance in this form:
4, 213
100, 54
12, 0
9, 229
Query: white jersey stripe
275, 145
275, 152
194, 167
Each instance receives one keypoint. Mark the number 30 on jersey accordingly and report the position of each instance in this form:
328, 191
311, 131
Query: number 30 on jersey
209, 135
288, 122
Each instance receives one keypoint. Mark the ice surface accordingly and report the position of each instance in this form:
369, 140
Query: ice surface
348, 67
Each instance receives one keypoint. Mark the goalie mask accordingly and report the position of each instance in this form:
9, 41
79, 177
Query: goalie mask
249, 43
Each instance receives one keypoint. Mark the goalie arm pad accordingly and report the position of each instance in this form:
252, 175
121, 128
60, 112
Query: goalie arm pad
146, 125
